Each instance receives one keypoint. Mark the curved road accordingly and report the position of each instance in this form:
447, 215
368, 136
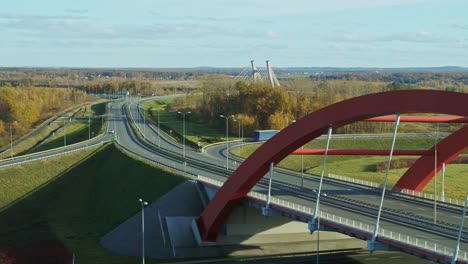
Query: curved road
401, 214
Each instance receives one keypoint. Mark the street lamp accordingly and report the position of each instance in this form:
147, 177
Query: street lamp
89, 127
227, 138
240, 124
64, 133
11, 143
64, 129
143, 204
183, 128
159, 130
159, 133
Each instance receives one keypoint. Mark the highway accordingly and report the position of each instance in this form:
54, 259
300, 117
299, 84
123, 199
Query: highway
401, 214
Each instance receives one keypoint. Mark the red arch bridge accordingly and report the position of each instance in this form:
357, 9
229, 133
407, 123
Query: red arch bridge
421, 225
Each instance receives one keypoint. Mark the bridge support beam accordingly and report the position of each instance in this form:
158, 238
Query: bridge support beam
267, 211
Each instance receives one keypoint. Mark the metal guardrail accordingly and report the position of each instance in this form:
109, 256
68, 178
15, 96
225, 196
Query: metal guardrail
41, 155
400, 238
403, 191
45, 123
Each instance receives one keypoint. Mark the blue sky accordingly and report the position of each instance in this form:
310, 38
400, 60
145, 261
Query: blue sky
229, 33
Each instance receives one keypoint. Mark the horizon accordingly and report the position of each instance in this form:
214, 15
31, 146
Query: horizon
229, 33
233, 67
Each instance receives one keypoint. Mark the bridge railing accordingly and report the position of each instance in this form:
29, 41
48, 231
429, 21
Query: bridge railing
353, 180
400, 238
428, 196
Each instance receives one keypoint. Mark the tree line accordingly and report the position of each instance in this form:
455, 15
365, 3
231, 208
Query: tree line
258, 106
22, 107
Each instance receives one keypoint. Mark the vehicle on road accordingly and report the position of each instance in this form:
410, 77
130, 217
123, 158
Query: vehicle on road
262, 135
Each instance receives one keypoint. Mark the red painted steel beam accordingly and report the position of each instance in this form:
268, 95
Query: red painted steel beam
420, 119
312, 126
368, 152
423, 170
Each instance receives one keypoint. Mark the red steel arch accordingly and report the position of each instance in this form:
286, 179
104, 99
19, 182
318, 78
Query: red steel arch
312, 126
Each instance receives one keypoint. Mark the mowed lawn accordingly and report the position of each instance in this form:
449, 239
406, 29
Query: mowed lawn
77, 202
364, 167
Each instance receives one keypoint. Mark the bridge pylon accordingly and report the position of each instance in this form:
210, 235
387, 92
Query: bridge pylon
255, 75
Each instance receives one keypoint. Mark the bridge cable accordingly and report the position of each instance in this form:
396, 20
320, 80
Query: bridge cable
371, 244
457, 245
435, 174
315, 223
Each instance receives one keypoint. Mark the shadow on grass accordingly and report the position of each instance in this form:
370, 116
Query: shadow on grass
99, 109
84, 203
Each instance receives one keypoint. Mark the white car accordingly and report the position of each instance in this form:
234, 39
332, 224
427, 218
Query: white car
111, 131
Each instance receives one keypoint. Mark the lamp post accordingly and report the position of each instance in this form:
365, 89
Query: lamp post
159, 133
89, 127
143, 204
227, 138
302, 164
64, 129
11, 143
64, 132
159, 130
240, 124
183, 128
144, 124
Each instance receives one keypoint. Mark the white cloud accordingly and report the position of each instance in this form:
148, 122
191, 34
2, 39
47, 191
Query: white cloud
280, 7
419, 36
458, 26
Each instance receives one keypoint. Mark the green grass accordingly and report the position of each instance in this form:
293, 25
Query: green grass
77, 203
364, 167
172, 124
77, 130
30, 142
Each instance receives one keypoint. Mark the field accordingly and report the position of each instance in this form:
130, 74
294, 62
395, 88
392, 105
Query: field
77, 202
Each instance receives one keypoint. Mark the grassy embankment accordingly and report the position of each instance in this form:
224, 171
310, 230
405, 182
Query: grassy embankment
77, 201
28, 144
77, 129
171, 123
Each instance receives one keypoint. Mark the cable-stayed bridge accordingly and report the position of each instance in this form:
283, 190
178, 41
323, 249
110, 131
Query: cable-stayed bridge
256, 74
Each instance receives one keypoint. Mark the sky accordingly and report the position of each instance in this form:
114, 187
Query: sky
230, 33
